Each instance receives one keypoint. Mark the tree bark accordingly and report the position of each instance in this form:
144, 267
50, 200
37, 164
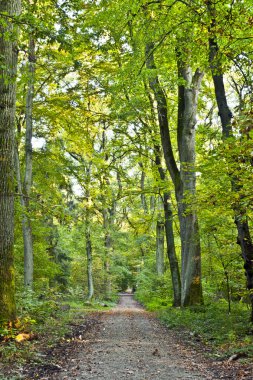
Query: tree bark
143, 197
26, 224
168, 218
108, 213
108, 249
162, 118
8, 70
89, 262
160, 241
189, 230
171, 251
88, 236
184, 180
169, 234
240, 213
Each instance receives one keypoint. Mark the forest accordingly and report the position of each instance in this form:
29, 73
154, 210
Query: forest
126, 157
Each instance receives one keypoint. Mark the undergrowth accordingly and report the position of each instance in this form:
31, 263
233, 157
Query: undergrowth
225, 333
229, 333
42, 321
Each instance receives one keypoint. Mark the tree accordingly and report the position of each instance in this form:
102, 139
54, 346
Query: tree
184, 179
8, 69
88, 233
169, 232
241, 218
25, 186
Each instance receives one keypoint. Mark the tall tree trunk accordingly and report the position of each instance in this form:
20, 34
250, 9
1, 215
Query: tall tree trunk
189, 230
108, 249
241, 220
108, 220
171, 251
184, 180
168, 217
160, 240
89, 262
88, 236
143, 197
8, 69
26, 224
169, 233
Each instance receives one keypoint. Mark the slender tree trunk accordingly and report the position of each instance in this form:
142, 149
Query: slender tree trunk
169, 233
8, 69
171, 251
88, 236
26, 224
184, 180
168, 220
89, 262
29, 117
241, 220
160, 241
108, 220
143, 197
25, 188
108, 249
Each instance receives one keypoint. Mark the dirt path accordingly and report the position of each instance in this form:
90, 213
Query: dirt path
132, 344
128, 343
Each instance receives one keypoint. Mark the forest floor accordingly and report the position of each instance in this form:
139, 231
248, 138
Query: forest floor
128, 342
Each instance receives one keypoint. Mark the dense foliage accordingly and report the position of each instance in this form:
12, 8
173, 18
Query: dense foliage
133, 124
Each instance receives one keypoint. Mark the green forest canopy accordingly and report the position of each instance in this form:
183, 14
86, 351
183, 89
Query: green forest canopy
132, 148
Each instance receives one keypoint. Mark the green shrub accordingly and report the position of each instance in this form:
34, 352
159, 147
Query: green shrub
153, 291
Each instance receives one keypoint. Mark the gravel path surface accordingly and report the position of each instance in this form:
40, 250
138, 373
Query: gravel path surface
126, 342
131, 344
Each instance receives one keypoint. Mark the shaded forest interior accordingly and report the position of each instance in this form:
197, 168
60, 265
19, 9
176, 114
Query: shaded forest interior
126, 159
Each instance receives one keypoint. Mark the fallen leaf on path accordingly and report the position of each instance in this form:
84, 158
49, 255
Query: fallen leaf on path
23, 336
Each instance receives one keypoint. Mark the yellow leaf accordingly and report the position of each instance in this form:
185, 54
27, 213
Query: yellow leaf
23, 336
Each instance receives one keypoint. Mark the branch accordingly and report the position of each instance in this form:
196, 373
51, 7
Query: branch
162, 111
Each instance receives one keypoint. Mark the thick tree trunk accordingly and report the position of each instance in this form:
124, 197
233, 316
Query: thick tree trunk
8, 68
160, 240
184, 180
191, 291
189, 230
244, 238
